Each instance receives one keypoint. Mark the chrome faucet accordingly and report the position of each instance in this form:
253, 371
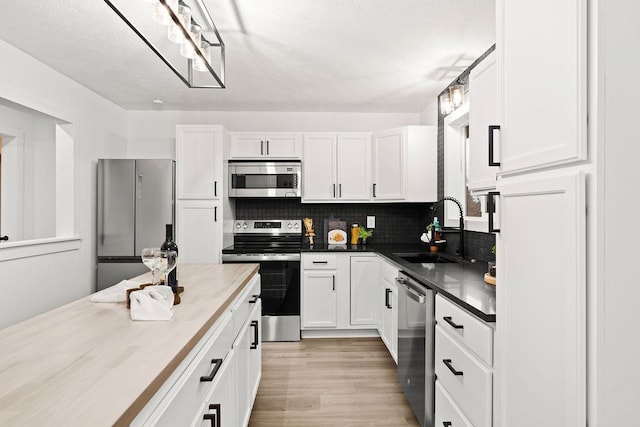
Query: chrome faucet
461, 253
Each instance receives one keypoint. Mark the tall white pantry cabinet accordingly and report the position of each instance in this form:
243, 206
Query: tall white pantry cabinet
566, 339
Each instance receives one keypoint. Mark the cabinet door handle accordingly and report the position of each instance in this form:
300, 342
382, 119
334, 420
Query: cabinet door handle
334, 191
453, 325
374, 190
447, 424
262, 148
254, 299
6, 238
267, 147
340, 190
386, 297
492, 128
214, 418
451, 368
215, 214
215, 188
491, 209
254, 344
217, 363
333, 279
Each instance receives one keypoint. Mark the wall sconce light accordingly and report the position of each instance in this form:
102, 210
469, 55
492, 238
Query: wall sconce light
183, 36
451, 98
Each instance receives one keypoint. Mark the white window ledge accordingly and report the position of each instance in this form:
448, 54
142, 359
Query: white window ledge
31, 248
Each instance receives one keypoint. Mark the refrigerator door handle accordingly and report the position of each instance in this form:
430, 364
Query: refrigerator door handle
139, 187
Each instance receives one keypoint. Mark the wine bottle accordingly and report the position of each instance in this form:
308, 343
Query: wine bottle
170, 245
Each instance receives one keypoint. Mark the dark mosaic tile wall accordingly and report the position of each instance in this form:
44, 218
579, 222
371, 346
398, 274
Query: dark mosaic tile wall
395, 222
477, 245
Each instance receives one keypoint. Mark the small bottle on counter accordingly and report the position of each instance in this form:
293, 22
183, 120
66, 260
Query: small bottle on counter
355, 234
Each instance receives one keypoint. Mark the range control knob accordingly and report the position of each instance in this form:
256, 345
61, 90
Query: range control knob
296, 225
289, 226
244, 225
238, 225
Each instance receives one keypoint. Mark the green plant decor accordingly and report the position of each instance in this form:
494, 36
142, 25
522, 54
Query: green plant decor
363, 233
493, 249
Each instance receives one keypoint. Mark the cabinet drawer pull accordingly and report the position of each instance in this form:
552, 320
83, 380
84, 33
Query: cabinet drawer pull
387, 291
254, 344
447, 424
491, 209
451, 368
214, 418
492, 162
374, 190
320, 262
217, 363
254, 299
453, 325
5, 238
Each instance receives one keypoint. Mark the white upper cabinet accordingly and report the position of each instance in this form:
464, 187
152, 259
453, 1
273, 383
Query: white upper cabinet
336, 167
319, 167
353, 166
258, 145
389, 160
542, 70
483, 118
199, 161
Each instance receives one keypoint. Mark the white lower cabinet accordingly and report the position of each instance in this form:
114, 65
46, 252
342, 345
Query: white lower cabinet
215, 385
339, 292
387, 300
463, 366
364, 280
219, 407
319, 299
448, 414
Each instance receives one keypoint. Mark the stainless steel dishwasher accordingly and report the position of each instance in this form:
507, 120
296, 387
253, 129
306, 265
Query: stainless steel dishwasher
416, 322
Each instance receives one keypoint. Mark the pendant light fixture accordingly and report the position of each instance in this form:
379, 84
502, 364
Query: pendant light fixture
182, 34
452, 97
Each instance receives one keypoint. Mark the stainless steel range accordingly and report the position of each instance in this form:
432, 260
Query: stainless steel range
275, 245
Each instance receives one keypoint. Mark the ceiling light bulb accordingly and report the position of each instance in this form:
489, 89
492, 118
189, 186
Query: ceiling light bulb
161, 13
445, 103
175, 32
198, 63
186, 48
457, 95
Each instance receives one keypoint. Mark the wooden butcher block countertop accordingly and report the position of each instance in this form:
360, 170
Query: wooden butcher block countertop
89, 364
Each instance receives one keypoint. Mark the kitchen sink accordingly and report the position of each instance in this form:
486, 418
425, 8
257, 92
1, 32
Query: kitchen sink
424, 258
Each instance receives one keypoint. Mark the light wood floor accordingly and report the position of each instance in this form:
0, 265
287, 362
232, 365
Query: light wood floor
329, 382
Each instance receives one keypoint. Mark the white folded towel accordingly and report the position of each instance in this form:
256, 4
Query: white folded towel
115, 293
151, 303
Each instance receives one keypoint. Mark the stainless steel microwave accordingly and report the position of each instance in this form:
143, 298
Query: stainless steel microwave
264, 179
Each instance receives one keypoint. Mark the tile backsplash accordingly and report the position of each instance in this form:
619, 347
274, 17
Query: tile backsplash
395, 222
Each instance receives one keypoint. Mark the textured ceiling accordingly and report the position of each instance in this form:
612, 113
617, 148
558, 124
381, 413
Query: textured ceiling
281, 55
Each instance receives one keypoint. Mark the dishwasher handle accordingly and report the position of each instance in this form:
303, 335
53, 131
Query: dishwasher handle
414, 295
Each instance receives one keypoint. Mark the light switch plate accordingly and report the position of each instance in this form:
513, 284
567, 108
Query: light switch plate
371, 221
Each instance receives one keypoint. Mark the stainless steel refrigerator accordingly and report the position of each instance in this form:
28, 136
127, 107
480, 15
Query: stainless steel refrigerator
136, 199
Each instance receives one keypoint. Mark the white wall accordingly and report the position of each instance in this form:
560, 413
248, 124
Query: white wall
429, 116
35, 284
152, 133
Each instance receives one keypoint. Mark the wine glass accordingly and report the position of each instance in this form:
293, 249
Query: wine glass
166, 262
151, 258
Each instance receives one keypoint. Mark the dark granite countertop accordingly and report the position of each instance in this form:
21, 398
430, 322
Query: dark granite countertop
462, 282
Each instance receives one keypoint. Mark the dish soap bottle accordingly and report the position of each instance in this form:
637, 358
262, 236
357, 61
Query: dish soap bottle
436, 229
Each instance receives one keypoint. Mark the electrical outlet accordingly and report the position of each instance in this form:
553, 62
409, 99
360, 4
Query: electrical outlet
371, 221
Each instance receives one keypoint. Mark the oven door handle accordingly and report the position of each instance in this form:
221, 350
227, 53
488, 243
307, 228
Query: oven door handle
417, 297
